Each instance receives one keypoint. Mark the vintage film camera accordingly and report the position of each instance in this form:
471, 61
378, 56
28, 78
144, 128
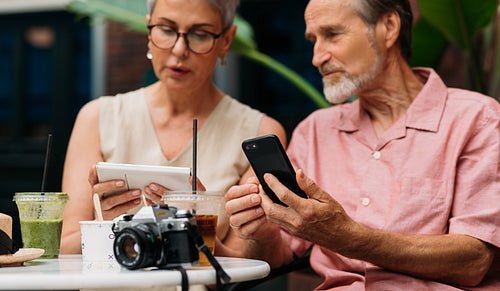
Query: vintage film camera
157, 236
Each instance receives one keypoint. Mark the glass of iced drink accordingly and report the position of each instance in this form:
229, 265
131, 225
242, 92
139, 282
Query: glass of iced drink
41, 215
208, 209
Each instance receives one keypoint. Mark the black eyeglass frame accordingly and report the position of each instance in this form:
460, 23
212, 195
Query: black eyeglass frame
184, 34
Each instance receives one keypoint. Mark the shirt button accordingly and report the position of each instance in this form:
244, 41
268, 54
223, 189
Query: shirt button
365, 201
376, 155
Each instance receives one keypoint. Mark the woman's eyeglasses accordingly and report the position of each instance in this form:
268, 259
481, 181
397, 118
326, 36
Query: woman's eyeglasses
198, 41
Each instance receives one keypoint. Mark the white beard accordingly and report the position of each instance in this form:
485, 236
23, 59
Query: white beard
337, 92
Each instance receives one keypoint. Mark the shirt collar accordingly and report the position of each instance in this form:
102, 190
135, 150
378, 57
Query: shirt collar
424, 113
426, 110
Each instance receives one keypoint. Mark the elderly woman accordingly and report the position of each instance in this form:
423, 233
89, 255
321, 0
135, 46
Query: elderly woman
153, 125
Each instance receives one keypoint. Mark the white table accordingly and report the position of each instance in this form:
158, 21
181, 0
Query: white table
69, 272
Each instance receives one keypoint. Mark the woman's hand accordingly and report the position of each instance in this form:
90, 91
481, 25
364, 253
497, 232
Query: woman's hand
117, 204
154, 192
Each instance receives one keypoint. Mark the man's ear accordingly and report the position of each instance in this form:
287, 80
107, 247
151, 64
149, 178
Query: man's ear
148, 18
391, 26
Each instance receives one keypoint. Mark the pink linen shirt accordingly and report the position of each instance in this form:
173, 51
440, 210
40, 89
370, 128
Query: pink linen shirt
435, 171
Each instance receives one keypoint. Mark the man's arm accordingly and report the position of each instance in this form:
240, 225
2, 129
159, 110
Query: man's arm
453, 258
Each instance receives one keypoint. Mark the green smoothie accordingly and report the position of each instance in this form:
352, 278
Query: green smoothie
42, 235
41, 217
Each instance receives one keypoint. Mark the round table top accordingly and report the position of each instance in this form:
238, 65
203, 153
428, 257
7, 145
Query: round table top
70, 272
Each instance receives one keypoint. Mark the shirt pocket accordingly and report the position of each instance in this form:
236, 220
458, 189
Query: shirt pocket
421, 206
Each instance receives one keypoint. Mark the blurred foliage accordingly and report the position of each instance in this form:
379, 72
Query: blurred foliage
466, 24
132, 13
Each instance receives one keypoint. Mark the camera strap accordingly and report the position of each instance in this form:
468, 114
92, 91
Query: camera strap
202, 247
185, 284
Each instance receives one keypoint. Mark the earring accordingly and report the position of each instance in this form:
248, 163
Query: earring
149, 55
223, 60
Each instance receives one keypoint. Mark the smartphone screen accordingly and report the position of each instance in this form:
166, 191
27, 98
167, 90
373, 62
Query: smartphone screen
266, 155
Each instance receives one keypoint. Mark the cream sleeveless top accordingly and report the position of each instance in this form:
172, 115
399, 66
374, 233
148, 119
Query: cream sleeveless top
128, 136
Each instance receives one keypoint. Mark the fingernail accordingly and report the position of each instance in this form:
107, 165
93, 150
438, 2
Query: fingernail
255, 199
120, 183
136, 193
254, 188
154, 187
147, 191
137, 201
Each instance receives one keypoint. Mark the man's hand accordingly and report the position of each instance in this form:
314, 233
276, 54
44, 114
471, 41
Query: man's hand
246, 216
262, 239
319, 219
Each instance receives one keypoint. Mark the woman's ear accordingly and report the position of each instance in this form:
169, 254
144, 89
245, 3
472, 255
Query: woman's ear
228, 38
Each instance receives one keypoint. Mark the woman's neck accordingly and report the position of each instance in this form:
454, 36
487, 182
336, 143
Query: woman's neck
182, 102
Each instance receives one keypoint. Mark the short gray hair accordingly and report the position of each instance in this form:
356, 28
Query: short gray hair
372, 10
227, 9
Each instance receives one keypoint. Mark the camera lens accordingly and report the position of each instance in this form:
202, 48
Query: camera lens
137, 247
130, 248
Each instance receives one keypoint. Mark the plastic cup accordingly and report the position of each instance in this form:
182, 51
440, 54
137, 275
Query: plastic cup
206, 206
41, 216
97, 241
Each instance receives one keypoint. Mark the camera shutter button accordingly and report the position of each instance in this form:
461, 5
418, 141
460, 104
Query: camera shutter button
128, 217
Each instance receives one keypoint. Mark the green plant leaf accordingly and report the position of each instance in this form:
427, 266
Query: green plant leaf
428, 45
244, 34
124, 11
458, 20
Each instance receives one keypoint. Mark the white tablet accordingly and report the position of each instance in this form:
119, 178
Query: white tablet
140, 176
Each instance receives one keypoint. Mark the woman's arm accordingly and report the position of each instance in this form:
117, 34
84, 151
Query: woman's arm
83, 151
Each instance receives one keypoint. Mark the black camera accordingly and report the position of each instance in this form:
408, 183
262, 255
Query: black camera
156, 236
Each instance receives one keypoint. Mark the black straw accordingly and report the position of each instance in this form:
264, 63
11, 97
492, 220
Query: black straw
195, 141
46, 163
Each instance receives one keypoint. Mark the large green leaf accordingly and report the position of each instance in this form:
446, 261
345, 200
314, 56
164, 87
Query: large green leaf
124, 11
459, 20
428, 45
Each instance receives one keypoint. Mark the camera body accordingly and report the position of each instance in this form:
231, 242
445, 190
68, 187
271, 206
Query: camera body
156, 236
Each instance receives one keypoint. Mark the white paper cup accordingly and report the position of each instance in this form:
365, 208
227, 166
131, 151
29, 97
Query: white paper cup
97, 241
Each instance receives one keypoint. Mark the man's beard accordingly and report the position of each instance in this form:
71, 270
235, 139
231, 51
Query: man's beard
338, 91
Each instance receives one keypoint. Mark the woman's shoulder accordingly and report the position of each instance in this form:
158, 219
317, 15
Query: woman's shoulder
233, 118
89, 111
236, 107
123, 98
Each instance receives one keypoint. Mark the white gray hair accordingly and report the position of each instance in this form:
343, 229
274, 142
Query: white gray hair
227, 9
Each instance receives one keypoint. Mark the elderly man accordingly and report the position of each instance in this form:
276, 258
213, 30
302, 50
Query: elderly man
403, 184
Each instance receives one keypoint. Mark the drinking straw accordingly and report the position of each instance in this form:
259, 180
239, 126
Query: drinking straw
195, 134
97, 207
46, 163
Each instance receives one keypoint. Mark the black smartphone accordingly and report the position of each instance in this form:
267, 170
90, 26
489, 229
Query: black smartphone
266, 155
